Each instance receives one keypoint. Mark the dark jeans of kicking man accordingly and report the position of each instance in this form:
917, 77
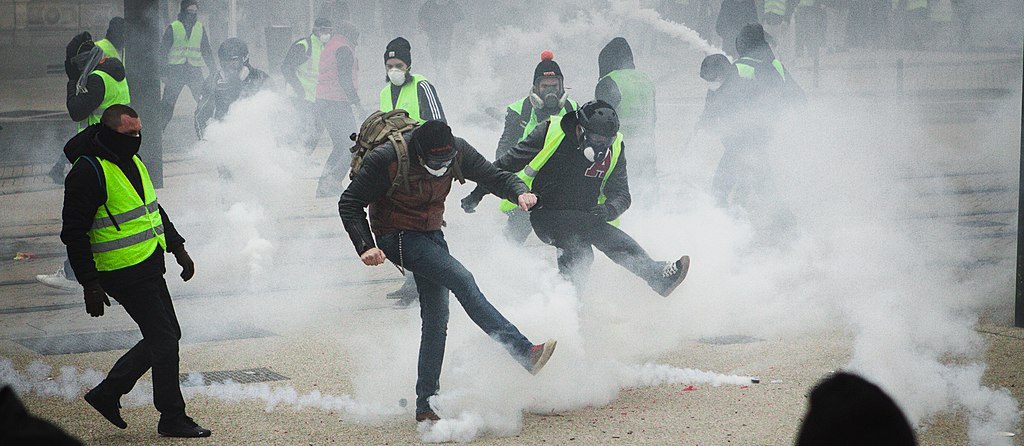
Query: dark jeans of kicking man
178, 76
149, 304
574, 233
425, 254
339, 121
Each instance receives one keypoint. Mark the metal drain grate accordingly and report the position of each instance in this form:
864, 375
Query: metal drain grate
729, 340
244, 376
123, 340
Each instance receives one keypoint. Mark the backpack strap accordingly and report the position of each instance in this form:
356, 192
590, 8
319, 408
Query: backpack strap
402, 172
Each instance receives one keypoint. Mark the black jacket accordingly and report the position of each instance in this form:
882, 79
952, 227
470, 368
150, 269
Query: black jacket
83, 196
568, 181
220, 92
370, 186
81, 105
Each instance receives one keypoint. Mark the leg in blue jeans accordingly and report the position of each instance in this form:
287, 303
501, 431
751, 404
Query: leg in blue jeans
426, 255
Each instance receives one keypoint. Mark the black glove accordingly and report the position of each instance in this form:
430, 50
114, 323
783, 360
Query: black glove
188, 268
95, 298
470, 203
601, 212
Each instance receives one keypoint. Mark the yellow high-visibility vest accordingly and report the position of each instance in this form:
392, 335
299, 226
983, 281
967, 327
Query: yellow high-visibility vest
186, 48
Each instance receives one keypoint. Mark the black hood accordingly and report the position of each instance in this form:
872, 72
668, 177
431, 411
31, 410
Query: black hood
616, 55
98, 140
113, 67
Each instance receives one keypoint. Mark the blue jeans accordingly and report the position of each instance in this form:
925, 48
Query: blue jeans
436, 272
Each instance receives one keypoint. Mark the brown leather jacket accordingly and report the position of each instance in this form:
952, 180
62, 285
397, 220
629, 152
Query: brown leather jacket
421, 208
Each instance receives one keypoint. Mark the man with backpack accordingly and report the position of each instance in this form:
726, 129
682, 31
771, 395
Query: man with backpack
404, 172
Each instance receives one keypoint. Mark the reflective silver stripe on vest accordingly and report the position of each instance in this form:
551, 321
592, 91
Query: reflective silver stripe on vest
530, 171
106, 222
128, 241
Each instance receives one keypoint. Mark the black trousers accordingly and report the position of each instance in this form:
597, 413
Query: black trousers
339, 121
574, 233
179, 76
149, 304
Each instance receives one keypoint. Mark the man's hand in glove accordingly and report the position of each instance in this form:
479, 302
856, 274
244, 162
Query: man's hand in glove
601, 212
95, 298
188, 268
470, 203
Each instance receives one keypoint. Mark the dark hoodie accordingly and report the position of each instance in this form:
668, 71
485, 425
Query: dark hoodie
81, 105
616, 55
567, 182
83, 196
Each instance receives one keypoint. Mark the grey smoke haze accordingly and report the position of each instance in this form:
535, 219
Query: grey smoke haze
862, 265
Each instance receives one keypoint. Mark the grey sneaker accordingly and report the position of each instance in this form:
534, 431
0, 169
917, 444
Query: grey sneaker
539, 355
58, 280
672, 275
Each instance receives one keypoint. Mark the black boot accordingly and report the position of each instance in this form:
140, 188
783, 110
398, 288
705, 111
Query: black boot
107, 405
182, 427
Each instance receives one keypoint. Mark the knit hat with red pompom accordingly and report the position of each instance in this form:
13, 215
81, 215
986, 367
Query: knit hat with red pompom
547, 67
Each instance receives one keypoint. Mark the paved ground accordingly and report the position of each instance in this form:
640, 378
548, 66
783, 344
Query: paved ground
330, 334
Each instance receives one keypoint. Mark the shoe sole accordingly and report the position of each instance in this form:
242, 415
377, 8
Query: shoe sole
204, 435
549, 348
88, 399
71, 286
685, 260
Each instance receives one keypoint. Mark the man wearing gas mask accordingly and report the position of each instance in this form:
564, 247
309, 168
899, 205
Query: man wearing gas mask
236, 79
405, 227
576, 166
547, 98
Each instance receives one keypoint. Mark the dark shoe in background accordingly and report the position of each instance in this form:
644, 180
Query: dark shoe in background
181, 428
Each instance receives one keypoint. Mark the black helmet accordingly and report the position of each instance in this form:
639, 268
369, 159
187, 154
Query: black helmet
233, 48
714, 67
598, 117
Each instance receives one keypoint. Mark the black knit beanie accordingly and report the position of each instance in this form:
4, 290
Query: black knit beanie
435, 141
547, 67
400, 49
186, 3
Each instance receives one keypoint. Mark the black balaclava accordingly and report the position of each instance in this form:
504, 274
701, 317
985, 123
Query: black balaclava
124, 146
117, 32
183, 15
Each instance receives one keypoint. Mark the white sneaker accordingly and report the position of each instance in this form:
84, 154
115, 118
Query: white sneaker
58, 280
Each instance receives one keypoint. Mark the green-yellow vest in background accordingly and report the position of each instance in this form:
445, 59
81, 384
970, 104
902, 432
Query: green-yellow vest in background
128, 228
109, 49
408, 98
531, 122
552, 139
747, 71
777, 7
309, 71
186, 48
114, 92
636, 108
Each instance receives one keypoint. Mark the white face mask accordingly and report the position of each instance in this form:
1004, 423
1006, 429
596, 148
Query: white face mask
437, 173
714, 86
325, 37
396, 76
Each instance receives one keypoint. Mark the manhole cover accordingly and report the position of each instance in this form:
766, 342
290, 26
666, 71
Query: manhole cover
244, 376
123, 340
729, 340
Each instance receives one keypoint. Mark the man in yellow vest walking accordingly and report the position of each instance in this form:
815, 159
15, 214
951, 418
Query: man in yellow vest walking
301, 70
186, 50
414, 94
116, 234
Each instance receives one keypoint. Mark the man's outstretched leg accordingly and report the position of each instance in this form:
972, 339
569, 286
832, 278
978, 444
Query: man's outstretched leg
663, 277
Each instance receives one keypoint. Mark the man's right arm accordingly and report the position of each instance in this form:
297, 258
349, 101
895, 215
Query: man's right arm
80, 106
368, 186
510, 136
518, 156
82, 197
295, 57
